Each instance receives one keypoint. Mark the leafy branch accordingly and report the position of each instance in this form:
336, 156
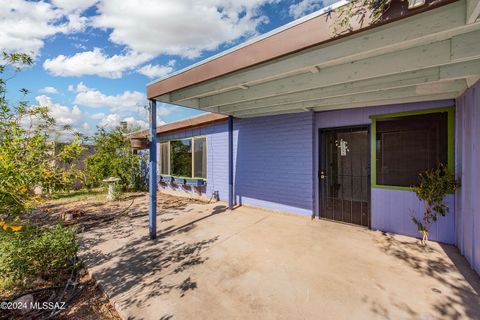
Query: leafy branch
359, 9
434, 185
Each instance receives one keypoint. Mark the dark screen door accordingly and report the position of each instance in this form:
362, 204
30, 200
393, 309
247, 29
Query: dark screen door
344, 175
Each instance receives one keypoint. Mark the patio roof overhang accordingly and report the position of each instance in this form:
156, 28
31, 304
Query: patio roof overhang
429, 53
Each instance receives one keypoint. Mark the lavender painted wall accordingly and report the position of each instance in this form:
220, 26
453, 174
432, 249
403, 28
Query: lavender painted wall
467, 160
217, 159
273, 161
276, 158
391, 210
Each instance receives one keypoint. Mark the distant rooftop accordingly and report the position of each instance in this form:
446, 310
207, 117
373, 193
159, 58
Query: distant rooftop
193, 122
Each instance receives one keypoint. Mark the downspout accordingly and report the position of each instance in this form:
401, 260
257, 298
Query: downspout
153, 170
230, 162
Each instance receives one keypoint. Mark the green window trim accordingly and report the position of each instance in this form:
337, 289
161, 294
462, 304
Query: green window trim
373, 136
193, 156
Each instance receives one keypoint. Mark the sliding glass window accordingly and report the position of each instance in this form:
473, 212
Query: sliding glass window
186, 158
200, 157
164, 156
181, 157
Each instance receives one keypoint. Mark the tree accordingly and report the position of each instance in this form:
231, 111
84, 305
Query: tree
434, 185
113, 157
28, 156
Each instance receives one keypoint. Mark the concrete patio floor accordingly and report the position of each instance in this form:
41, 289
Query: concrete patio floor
208, 263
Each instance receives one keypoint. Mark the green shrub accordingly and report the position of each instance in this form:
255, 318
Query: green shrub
113, 157
435, 184
32, 253
28, 157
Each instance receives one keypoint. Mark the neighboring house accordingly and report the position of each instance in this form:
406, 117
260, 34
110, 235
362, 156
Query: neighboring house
80, 162
338, 127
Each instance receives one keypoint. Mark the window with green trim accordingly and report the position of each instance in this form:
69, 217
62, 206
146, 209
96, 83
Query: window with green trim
186, 158
406, 146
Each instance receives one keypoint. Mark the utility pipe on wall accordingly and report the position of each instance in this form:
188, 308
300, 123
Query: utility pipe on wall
153, 169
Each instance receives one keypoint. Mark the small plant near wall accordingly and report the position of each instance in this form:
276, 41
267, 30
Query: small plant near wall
435, 184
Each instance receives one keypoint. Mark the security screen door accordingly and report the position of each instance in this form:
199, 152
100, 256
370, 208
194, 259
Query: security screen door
344, 175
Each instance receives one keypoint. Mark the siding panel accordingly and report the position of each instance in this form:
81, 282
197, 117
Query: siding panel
467, 169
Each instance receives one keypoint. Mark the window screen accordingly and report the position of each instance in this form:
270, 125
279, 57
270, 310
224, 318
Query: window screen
200, 158
164, 155
181, 157
407, 146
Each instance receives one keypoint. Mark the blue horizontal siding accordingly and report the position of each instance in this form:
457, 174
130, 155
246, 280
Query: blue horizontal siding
273, 165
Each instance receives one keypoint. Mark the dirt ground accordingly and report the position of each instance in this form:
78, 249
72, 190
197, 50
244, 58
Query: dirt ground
210, 263
90, 304
93, 212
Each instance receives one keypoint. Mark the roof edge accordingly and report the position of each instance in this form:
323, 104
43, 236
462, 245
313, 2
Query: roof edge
189, 123
253, 40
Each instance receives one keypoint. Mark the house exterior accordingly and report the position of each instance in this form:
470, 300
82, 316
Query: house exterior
332, 126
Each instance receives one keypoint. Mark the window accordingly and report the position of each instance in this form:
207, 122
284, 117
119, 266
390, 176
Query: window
408, 145
185, 158
200, 157
164, 156
181, 157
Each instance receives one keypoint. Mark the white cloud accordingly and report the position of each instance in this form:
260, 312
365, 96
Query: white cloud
178, 27
81, 87
63, 115
128, 101
94, 62
305, 7
48, 90
25, 24
113, 120
97, 116
74, 5
155, 71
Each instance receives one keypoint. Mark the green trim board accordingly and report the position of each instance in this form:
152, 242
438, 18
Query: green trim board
373, 143
412, 113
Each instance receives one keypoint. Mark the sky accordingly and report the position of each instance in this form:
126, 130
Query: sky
94, 58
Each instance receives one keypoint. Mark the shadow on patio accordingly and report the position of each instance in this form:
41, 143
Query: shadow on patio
435, 261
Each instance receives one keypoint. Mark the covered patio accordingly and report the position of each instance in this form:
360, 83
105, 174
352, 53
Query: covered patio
208, 263
283, 91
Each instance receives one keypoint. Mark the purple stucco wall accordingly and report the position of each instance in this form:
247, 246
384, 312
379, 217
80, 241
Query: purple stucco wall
391, 210
467, 159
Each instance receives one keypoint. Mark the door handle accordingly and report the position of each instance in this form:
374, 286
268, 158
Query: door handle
322, 175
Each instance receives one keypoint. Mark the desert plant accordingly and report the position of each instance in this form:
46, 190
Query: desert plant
27, 153
33, 252
434, 185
